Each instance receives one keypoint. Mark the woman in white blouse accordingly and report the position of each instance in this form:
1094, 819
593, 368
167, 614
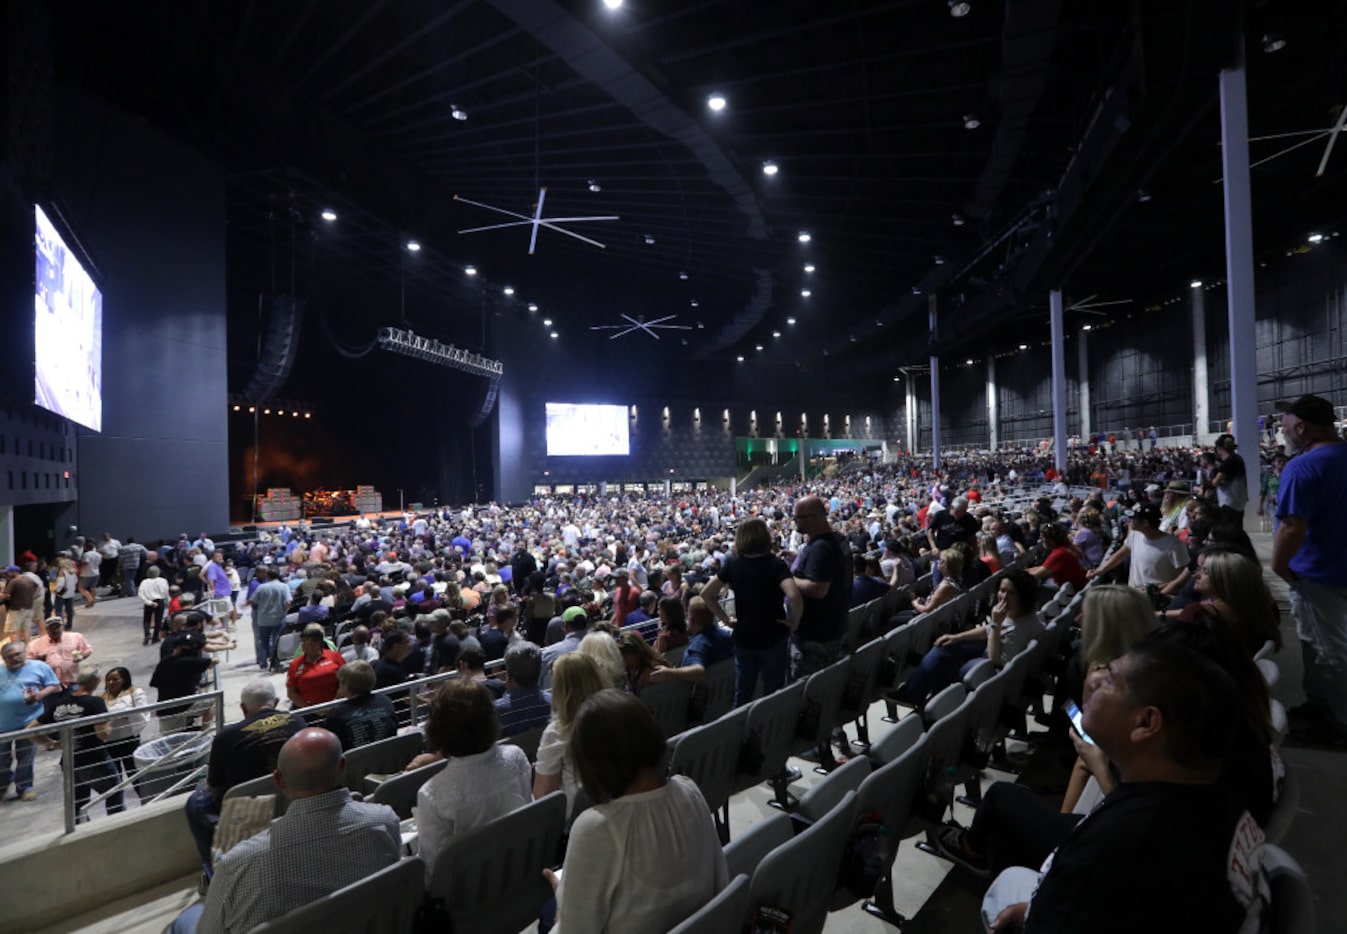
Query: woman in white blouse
646, 856
122, 696
481, 781
575, 678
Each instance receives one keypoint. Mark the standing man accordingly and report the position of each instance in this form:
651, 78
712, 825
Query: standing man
219, 604
110, 549
129, 560
23, 685
1231, 479
269, 604
1309, 552
822, 571
62, 651
20, 596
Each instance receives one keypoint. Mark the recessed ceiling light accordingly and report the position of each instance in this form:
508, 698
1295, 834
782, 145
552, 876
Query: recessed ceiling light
970, 361
649, 240
1273, 42
960, 8
508, 290
470, 270
1315, 238
414, 246
1024, 346
308, 415
612, 4
805, 293
595, 186
740, 358
547, 322
809, 267
776, 333
700, 326
1087, 327
1195, 284
281, 412
939, 260
533, 306
716, 102
958, 220
790, 320
916, 290
554, 335
757, 347
682, 274
804, 236
329, 215
1143, 195
770, 168
457, 112
897, 379
694, 303
971, 122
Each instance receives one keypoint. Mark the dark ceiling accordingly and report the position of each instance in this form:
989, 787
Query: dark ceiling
349, 105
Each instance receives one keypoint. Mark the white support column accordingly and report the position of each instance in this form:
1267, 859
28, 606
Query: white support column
1083, 383
935, 391
910, 413
993, 430
1201, 398
1058, 379
1239, 256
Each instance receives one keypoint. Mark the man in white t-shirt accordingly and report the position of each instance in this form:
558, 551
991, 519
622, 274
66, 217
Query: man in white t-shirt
1156, 557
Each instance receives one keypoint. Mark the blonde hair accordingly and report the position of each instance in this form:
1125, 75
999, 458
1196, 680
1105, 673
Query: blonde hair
575, 678
602, 648
1113, 619
951, 564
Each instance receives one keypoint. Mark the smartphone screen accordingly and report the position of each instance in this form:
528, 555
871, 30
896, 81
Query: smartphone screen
1077, 719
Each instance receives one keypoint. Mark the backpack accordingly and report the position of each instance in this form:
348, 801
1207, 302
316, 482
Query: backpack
867, 856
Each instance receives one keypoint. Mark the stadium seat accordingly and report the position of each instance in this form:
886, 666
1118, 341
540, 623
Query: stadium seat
257, 787
727, 913
384, 903
716, 691
745, 852
399, 792
800, 876
890, 793
819, 709
709, 755
828, 793
1290, 909
386, 757
769, 738
668, 701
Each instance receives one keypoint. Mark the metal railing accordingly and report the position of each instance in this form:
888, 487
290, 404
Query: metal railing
105, 783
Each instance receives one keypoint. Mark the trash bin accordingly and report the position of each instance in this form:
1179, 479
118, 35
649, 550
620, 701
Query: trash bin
186, 753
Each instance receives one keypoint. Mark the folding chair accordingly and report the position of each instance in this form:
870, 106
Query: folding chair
709, 755
769, 739
799, 877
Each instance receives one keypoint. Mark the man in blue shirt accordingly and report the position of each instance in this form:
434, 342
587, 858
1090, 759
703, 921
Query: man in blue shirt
523, 707
269, 604
709, 645
23, 685
1309, 552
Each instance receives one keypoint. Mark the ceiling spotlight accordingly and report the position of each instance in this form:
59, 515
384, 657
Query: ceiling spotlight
959, 8
897, 379
700, 326
805, 293
547, 322
649, 240
470, 270
969, 361
790, 320
595, 186
328, 215
740, 358
458, 113
308, 415
295, 414
1273, 42
757, 347
236, 408
804, 236
1143, 195
939, 260
281, 412
1024, 346
1315, 238
252, 409
958, 220
554, 335
716, 102
776, 333
694, 303
533, 306
266, 411
1087, 327
508, 290
682, 274
612, 4
770, 168
809, 267
1195, 284
916, 290
971, 122
413, 246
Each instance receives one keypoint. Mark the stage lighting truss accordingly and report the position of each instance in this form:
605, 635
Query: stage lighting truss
433, 351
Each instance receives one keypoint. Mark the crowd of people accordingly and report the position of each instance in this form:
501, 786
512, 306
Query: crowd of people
547, 587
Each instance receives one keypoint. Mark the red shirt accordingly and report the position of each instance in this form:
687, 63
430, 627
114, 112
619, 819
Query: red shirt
625, 600
974, 496
316, 682
1065, 567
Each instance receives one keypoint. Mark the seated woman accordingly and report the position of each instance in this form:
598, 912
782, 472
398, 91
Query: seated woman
1089, 537
364, 717
646, 855
1062, 563
639, 659
1012, 624
987, 552
1230, 589
950, 586
673, 625
602, 647
482, 779
575, 678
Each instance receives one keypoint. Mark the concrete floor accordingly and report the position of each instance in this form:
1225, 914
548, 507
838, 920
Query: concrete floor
926, 890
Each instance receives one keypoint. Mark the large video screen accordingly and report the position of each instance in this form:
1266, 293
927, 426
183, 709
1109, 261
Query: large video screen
586, 430
68, 330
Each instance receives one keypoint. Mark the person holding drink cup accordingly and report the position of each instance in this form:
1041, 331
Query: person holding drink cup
23, 685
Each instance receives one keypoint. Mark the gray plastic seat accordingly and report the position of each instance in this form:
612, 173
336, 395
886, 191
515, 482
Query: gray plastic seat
898, 740
1290, 909
491, 879
724, 914
716, 690
257, 787
890, 792
668, 702
859, 690
828, 793
709, 755
745, 852
527, 741
386, 757
1285, 810
823, 696
800, 876
1270, 671
770, 732
399, 791
385, 903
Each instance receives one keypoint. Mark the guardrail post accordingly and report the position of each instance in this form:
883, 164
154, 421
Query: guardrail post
68, 776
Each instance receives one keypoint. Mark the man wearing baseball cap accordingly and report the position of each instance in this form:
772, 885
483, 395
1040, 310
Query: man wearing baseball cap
1231, 479
1156, 557
1309, 551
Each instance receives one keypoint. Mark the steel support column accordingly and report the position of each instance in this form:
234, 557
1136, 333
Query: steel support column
1239, 257
935, 390
1058, 380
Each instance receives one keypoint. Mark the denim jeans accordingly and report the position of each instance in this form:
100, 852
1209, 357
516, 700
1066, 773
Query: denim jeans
939, 668
264, 640
749, 664
22, 776
202, 816
94, 779
129, 582
1320, 613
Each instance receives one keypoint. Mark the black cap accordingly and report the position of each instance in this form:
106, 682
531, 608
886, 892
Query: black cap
1313, 409
1147, 512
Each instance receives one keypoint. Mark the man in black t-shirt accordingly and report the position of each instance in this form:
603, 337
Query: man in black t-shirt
240, 752
388, 667
952, 525
179, 675
94, 771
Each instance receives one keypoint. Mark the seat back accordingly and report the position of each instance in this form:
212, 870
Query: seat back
709, 755
674, 657
399, 791
668, 702
823, 697
979, 675
717, 689
984, 717
943, 703
1270, 672
771, 732
891, 790
527, 741
727, 912
828, 793
856, 619
745, 852
1268, 650
945, 744
491, 878
897, 740
1285, 810
897, 653
1279, 722
256, 787
1290, 908
384, 903
859, 689
385, 757
800, 875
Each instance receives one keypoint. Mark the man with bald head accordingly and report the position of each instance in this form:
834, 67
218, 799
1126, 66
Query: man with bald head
324, 842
